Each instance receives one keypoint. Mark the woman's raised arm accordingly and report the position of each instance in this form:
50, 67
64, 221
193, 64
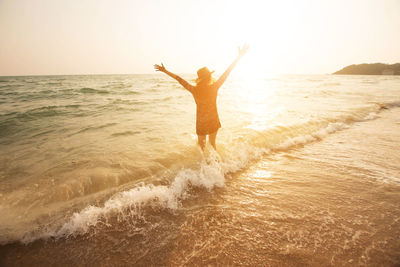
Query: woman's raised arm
225, 75
184, 83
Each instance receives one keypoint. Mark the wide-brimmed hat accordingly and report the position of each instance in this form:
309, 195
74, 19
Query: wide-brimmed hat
204, 73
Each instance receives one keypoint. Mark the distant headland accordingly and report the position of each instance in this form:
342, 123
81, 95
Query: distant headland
371, 69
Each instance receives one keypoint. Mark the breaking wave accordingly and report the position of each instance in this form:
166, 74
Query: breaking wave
209, 172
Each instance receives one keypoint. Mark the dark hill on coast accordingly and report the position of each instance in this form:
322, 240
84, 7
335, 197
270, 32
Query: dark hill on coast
371, 69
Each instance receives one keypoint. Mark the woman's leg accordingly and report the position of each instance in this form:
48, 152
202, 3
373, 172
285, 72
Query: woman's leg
201, 139
211, 139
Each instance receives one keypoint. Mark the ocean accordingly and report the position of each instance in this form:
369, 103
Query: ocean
105, 170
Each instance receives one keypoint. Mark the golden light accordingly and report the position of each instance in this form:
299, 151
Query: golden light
260, 24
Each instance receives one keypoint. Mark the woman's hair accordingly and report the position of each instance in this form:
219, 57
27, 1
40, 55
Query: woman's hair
205, 80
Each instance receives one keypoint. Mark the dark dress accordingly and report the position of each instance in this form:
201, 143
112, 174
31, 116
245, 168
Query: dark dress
207, 119
205, 95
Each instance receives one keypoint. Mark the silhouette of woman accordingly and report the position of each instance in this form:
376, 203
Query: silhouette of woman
205, 95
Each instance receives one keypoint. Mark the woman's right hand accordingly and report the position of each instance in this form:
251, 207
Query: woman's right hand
243, 50
160, 68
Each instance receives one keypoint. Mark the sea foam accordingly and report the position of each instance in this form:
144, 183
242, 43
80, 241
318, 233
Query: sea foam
211, 172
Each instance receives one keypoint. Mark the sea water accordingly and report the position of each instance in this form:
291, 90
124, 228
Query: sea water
306, 171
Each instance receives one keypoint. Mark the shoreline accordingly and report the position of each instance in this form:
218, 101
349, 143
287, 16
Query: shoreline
314, 212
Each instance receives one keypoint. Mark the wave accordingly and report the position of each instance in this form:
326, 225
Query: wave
121, 85
314, 80
58, 83
14, 122
130, 92
88, 90
37, 113
330, 84
207, 172
389, 105
370, 81
129, 102
94, 128
124, 133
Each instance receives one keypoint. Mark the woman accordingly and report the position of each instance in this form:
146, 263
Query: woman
205, 95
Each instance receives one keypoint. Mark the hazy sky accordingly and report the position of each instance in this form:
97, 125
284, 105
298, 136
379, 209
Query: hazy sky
94, 36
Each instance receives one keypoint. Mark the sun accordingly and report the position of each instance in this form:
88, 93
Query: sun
259, 24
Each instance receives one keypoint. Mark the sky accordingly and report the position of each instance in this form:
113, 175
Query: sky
51, 37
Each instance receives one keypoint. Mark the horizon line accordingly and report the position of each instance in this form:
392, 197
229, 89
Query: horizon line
141, 73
